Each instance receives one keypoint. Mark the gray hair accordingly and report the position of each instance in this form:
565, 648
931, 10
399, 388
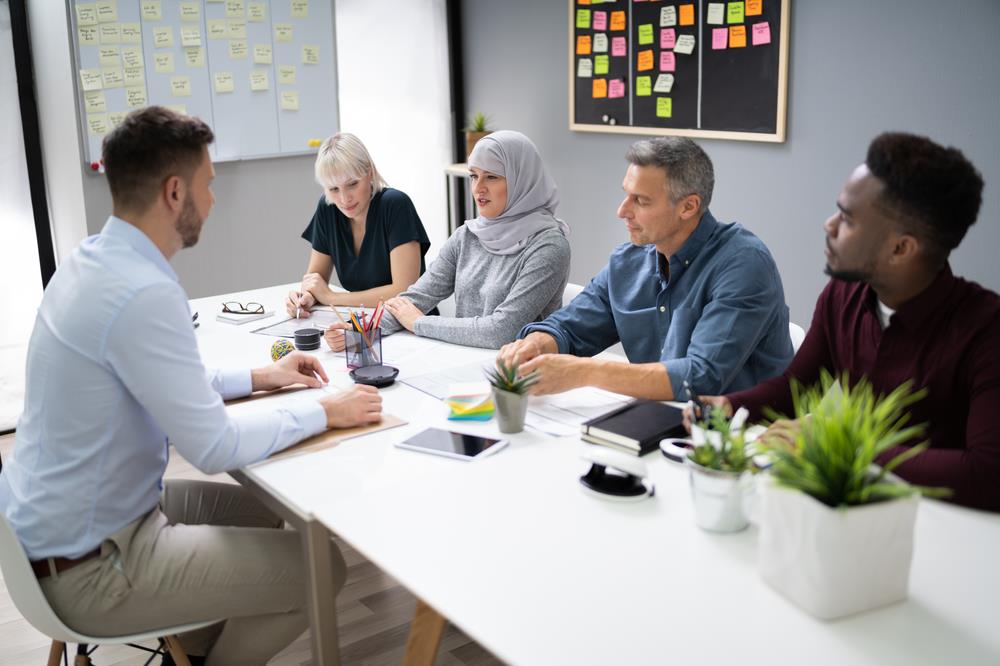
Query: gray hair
688, 168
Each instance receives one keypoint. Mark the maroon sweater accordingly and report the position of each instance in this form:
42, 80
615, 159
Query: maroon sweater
946, 339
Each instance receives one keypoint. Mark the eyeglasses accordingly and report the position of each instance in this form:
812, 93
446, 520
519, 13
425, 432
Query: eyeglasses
233, 307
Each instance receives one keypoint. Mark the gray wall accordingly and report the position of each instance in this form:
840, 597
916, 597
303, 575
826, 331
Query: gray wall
857, 68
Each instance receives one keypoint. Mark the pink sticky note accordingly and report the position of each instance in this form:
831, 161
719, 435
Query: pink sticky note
667, 61
617, 46
667, 38
719, 36
616, 88
761, 33
600, 21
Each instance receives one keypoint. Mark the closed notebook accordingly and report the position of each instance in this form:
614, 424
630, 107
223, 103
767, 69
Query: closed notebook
637, 427
234, 318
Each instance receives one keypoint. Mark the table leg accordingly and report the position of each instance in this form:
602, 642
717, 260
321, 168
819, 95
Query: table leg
321, 601
425, 636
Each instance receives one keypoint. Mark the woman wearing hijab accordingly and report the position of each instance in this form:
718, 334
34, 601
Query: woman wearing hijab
507, 267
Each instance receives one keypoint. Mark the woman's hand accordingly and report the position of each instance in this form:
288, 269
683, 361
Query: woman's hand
297, 304
316, 284
405, 312
334, 336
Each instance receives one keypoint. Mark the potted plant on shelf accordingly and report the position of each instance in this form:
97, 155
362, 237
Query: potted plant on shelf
510, 393
836, 529
477, 128
720, 466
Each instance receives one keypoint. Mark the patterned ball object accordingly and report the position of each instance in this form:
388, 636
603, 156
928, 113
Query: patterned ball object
281, 348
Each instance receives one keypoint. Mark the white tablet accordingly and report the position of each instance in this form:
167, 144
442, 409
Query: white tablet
452, 444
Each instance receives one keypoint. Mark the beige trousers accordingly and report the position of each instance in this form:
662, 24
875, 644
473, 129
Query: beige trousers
209, 551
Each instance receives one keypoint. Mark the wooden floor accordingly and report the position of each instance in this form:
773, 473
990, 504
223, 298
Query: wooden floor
374, 614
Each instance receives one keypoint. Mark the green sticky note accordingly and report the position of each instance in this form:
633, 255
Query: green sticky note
664, 107
583, 17
734, 13
646, 33
601, 64
643, 86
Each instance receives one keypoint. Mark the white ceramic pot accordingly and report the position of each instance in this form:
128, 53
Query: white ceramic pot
719, 498
835, 562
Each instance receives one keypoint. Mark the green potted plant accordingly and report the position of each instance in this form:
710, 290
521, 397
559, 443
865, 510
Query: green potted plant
477, 128
836, 528
720, 465
510, 393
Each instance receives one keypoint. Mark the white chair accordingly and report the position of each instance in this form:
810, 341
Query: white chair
571, 291
31, 603
797, 334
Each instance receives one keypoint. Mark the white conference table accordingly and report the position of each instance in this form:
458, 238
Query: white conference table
514, 552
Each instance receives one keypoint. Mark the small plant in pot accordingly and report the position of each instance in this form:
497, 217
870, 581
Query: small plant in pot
477, 128
510, 393
720, 466
837, 528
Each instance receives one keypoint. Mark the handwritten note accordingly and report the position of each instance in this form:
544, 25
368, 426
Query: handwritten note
643, 86
131, 33
600, 42
97, 124
217, 29
234, 9
687, 15
112, 77
116, 118
135, 76
300, 9
734, 12
716, 14
223, 82
151, 10
256, 12
585, 68
163, 63
108, 56
583, 19
719, 37
599, 88
237, 49
107, 12
754, 7
583, 45
194, 56
616, 88
258, 80
737, 36
664, 107
190, 36
190, 11
668, 62
180, 86
95, 102
90, 79
111, 33
262, 54
87, 35
668, 37
236, 29
286, 75
618, 46
86, 14
646, 33
601, 64
135, 97
310, 54
664, 83
685, 44
600, 20
761, 33
163, 37
289, 100
617, 20
645, 60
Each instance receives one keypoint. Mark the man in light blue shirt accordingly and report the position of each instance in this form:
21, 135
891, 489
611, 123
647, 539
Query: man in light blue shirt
696, 304
113, 378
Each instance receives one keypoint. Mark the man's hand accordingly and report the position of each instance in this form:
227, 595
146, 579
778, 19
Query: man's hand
522, 351
297, 303
713, 401
334, 336
295, 368
405, 312
316, 284
358, 405
556, 373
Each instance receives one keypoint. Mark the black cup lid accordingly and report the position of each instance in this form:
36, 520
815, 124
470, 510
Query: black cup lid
308, 334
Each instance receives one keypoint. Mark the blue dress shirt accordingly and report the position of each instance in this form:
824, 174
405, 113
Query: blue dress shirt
114, 372
720, 320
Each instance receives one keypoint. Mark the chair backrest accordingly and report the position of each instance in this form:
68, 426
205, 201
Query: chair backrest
571, 291
798, 334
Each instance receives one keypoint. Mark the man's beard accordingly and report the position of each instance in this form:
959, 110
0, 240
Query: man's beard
189, 224
848, 276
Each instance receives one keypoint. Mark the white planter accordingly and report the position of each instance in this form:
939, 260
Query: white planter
835, 562
719, 498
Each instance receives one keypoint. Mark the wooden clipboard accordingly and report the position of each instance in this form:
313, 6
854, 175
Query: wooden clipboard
331, 438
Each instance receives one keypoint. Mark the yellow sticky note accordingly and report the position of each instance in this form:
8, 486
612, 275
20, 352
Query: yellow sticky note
131, 33
289, 100
262, 54
282, 32
109, 56
151, 10
234, 9
643, 86
687, 15
111, 33
601, 64
223, 82
256, 12
163, 62
180, 86
132, 57
112, 77
734, 12
645, 60
664, 107
115, 119
194, 56
135, 97
599, 88
98, 124
191, 36
107, 12
646, 33
300, 8
237, 29
217, 29
310, 54
95, 102
237, 49
583, 45
737, 36
190, 11
258, 80
286, 75
163, 37
754, 7
135, 76
86, 14
87, 35
90, 79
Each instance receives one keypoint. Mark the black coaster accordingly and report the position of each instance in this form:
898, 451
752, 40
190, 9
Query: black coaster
378, 376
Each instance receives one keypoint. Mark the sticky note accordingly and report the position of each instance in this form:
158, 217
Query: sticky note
300, 8
668, 16
737, 36
177, 108
616, 88
180, 86
601, 64
163, 37
618, 46
645, 60
599, 88
151, 10
115, 119
223, 82
190, 36
289, 100
617, 20
135, 76
734, 12
583, 45
135, 97
585, 68
600, 21
582, 19
668, 37
754, 7
664, 83
687, 15
112, 77
98, 124
236, 29
643, 86
109, 56
283, 32
110, 33
190, 11
107, 12
685, 44
664, 107
237, 49
286, 75
131, 33
87, 35
95, 102
716, 14
668, 61
262, 54
600, 42
256, 12
761, 33
646, 33
719, 37
163, 63
194, 56
258, 80
234, 9
90, 79
310, 54
86, 14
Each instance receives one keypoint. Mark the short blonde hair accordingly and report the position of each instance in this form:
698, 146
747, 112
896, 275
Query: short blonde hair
343, 154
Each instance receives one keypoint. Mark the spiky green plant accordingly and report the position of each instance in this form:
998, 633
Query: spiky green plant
505, 378
478, 122
732, 456
834, 452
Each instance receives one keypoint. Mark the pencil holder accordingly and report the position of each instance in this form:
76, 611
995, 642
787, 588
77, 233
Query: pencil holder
363, 349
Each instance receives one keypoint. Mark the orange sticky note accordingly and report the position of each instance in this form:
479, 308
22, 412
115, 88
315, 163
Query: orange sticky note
584, 2
687, 15
617, 20
645, 60
600, 88
737, 36
754, 7
583, 45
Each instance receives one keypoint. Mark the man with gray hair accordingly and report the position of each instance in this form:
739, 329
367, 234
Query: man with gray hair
697, 304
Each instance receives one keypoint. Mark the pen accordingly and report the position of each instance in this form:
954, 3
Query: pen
298, 308
700, 408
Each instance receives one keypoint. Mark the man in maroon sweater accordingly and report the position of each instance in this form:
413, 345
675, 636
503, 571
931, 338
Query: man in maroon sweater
893, 311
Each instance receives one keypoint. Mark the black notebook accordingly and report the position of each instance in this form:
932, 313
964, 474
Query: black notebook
637, 427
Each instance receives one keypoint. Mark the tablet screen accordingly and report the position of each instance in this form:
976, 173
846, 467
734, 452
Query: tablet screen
435, 440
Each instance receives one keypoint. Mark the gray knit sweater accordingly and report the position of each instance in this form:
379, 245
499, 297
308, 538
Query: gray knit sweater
495, 295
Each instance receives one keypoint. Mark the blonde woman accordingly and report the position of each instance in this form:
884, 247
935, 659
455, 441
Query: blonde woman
369, 232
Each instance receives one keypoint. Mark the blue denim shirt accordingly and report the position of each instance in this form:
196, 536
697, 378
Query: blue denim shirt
720, 320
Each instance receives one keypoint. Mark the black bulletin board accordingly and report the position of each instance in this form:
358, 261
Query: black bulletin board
686, 67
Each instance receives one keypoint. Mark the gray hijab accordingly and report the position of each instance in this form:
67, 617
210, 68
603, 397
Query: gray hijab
532, 195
